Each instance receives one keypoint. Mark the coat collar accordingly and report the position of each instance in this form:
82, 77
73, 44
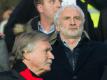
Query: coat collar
34, 22
20, 68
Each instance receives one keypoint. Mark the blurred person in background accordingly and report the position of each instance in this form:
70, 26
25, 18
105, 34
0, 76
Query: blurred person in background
44, 22
4, 56
5, 14
45, 9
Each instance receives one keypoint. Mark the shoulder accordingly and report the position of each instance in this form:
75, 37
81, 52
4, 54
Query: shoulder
98, 44
34, 22
97, 48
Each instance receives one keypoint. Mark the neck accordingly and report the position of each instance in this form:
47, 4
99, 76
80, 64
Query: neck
71, 42
46, 23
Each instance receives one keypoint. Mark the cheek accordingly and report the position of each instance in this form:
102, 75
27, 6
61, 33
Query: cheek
39, 58
79, 23
49, 7
35, 56
37, 61
65, 23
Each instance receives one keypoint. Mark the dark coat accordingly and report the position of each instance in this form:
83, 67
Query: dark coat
90, 64
10, 75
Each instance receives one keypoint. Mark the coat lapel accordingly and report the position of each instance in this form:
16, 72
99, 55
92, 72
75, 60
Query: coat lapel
84, 54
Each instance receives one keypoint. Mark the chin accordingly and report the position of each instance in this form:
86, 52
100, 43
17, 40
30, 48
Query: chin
47, 68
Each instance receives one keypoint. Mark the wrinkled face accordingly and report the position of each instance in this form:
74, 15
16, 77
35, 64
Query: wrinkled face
49, 7
70, 23
41, 56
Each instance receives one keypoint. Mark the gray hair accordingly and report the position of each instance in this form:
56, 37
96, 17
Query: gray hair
58, 13
26, 41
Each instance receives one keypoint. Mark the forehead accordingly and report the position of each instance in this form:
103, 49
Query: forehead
70, 11
42, 44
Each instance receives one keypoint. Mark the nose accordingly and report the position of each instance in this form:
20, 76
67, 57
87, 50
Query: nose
50, 55
59, 5
72, 21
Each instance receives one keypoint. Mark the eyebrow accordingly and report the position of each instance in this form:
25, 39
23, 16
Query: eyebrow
49, 49
66, 17
78, 17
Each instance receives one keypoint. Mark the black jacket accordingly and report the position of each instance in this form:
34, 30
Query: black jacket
90, 64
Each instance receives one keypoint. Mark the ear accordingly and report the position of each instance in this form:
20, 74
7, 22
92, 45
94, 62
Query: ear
26, 55
40, 8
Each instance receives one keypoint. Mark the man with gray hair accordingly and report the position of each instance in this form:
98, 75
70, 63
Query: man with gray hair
33, 57
76, 57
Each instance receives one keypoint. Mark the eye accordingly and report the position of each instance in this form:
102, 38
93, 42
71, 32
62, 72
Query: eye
52, 1
77, 17
48, 49
60, 1
66, 18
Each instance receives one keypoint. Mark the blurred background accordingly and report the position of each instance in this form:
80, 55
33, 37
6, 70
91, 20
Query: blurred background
7, 3
4, 3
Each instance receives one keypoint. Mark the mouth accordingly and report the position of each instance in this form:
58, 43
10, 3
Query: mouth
49, 63
73, 28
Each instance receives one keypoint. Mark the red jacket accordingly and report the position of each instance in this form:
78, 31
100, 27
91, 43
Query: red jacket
28, 75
